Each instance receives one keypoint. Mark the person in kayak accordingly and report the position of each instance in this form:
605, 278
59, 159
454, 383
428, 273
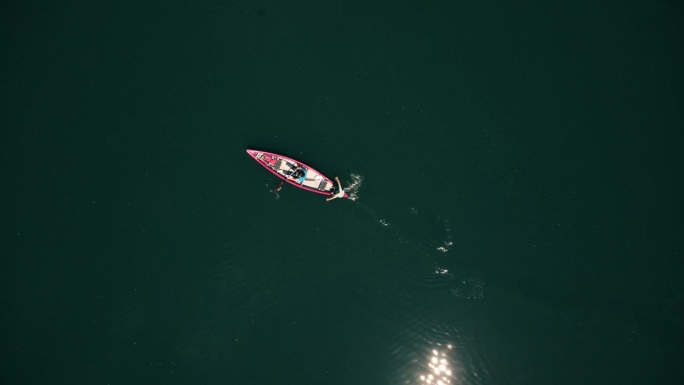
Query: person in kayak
340, 192
299, 174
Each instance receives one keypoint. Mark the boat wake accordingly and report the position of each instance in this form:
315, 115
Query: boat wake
353, 188
429, 288
431, 238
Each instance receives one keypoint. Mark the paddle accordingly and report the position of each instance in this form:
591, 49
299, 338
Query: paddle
278, 187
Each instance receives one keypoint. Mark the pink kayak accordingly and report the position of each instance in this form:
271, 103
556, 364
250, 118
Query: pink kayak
295, 172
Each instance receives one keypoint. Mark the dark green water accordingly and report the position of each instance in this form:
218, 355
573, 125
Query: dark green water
519, 212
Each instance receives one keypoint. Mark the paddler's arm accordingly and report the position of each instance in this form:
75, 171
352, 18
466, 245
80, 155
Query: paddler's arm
339, 186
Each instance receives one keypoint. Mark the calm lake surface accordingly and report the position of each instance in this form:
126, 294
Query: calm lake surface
516, 214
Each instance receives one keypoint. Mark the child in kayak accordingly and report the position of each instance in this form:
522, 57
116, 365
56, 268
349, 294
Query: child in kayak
340, 192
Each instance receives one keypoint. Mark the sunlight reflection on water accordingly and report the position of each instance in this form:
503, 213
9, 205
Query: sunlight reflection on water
438, 367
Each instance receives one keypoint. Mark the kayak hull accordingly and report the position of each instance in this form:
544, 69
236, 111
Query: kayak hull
286, 168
